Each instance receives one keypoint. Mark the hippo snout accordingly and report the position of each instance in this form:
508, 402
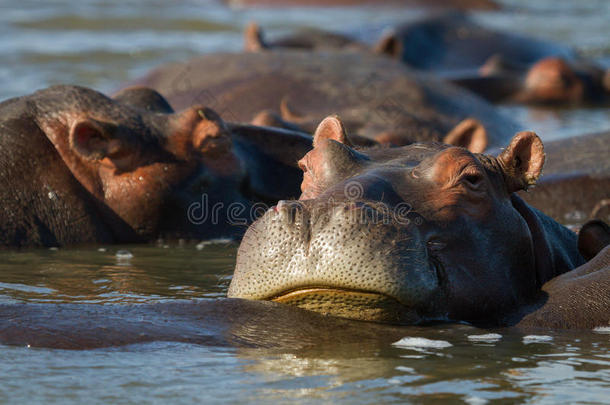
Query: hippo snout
332, 258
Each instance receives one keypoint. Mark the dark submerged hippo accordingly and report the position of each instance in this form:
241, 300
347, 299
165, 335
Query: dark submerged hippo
373, 95
454, 4
575, 183
497, 65
425, 232
80, 167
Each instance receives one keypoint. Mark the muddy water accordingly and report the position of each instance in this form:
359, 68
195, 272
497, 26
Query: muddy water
105, 43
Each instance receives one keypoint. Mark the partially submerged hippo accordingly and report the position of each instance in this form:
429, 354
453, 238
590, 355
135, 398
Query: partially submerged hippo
425, 232
374, 96
497, 65
455, 4
79, 167
575, 183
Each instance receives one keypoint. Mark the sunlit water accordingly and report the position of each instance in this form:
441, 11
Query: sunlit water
105, 43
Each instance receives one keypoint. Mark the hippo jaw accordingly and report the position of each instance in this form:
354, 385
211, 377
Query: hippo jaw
327, 261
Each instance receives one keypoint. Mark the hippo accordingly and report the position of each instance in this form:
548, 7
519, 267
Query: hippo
377, 98
453, 4
99, 170
421, 233
575, 184
497, 65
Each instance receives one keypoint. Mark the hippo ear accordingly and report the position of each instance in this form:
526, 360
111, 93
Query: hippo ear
469, 134
388, 45
522, 161
253, 38
288, 113
93, 140
211, 136
268, 118
331, 127
592, 238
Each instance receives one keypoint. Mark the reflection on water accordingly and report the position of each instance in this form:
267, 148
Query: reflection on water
97, 275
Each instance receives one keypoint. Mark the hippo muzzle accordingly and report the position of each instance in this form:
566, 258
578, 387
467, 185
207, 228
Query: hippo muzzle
338, 259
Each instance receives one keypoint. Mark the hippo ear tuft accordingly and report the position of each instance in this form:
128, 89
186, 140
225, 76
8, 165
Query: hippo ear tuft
253, 38
388, 45
91, 140
469, 134
331, 127
522, 161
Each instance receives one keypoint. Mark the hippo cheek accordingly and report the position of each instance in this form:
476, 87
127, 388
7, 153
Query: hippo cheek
336, 264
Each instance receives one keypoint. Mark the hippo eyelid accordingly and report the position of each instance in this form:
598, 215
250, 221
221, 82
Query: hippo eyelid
471, 175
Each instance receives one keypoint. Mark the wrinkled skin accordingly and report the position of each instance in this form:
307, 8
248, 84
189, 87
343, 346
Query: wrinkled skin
575, 182
499, 66
107, 170
374, 96
407, 235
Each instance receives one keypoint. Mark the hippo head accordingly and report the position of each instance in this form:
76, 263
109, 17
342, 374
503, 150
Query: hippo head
403, 235
554, 80
137, 157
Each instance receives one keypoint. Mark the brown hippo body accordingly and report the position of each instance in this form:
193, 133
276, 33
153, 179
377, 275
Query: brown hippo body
575, 183
373, 95
79, 167
497, 65
421, 233
578, 299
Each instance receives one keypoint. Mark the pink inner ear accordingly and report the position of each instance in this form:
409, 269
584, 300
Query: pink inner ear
330, 128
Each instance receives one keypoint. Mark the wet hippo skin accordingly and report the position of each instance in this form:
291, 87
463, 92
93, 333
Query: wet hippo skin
413, 234
79, 167
373, 95
222, 322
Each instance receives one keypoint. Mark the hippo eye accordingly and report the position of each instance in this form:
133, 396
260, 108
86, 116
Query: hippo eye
472, 178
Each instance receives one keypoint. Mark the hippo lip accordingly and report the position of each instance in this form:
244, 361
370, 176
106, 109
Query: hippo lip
349, 303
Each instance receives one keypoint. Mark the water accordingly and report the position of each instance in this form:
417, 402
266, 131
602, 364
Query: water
105, 43
408, 364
